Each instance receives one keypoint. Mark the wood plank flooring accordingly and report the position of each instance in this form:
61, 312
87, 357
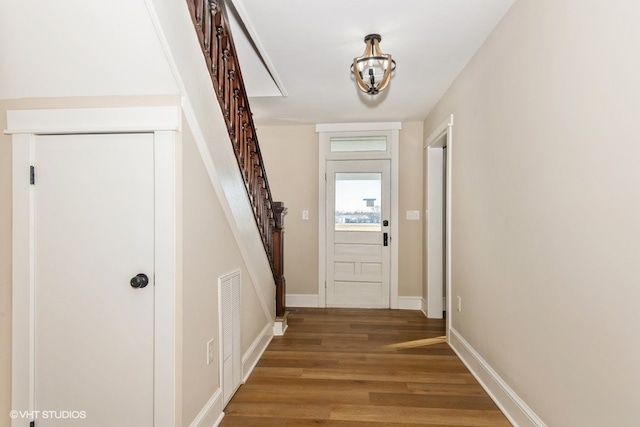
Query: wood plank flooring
351, 367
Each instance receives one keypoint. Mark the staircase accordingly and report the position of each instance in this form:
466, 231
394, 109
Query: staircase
211, 25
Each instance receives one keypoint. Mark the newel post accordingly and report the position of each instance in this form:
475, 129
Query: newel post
278, 257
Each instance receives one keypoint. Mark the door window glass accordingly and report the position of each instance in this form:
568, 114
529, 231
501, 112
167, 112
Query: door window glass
357, 204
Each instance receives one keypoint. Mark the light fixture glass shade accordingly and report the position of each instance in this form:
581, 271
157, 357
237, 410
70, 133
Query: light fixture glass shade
373, 69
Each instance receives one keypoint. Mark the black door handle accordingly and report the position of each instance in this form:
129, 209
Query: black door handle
385, 239
139, 281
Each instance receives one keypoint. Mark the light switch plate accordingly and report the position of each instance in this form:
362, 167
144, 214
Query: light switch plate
413, 215
305, 214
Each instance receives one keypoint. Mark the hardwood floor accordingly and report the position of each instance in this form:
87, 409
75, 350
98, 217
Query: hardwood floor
351, 367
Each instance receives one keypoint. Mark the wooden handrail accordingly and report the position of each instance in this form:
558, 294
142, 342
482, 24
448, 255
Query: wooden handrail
212, 27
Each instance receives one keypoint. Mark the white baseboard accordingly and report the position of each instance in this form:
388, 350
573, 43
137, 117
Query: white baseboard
219, 420
302, 300
255, 350
211, 415
513, 407
311, 301
409, 303
424, 307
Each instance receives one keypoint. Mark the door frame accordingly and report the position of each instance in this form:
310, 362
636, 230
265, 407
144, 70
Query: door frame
435, 236
164, 123
325, 132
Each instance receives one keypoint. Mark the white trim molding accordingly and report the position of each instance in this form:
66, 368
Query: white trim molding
254, 352
357, 127
513, 407
302, 300
94, 120
410, 303
211, 414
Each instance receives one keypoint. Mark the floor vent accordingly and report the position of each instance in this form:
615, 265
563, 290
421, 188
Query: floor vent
229, 297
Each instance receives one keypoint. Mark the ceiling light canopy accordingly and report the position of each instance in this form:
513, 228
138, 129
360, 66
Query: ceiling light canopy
373, 69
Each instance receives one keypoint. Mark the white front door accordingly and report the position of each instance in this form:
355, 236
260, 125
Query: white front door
93, 232
358, 233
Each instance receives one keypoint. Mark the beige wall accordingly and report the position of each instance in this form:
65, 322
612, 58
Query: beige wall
209, 251
290, 154
291, 158
202, 264
410, 199
546, 207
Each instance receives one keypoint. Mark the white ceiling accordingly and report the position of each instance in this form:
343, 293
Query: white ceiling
305, 48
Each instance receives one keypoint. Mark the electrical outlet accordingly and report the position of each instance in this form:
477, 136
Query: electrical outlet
459, 304
210, 352
305, 214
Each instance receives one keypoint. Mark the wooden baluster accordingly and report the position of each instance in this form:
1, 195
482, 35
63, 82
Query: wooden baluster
222, 66
240, 111
198, 10
253, 185
254, 175
267, 220
263, 214
231, 100
245, 155
228, 90
233, 122
242, 140
216, 52
248, 159
206, 30
270, 225
247, 150
256, 189
259, 193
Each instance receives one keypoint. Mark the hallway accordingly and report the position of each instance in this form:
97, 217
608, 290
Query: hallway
348, 367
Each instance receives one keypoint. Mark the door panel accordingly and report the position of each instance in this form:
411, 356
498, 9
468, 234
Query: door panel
358, 263
94, 231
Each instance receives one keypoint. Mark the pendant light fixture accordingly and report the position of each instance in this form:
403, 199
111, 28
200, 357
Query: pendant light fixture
372, 70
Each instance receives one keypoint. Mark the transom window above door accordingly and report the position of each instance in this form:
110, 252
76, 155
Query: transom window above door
341, 144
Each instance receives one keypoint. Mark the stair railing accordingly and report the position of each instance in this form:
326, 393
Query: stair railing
212, 27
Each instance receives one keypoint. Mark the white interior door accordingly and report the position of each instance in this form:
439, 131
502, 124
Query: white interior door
93, 232
358, 233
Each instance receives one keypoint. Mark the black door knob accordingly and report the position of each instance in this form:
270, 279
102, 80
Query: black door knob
139, 281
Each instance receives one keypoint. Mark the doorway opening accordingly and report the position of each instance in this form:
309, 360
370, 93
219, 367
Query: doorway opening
437, 226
